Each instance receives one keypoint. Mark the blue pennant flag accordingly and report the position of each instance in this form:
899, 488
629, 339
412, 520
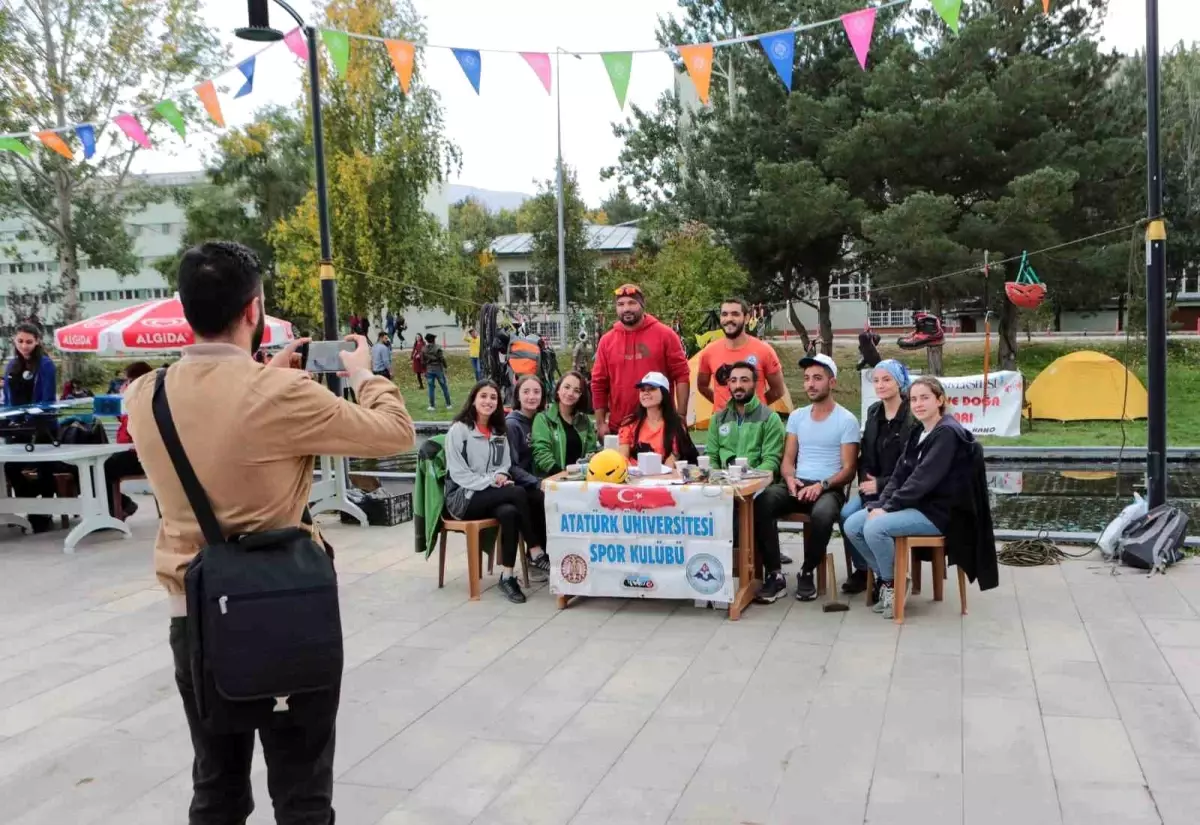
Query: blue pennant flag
471, 65
781, 51
87, 136
246, 67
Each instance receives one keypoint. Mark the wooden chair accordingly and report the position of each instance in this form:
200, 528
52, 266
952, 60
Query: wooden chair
906, 555
827, 572
472, 530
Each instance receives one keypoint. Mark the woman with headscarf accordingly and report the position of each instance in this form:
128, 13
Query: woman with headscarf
889, 424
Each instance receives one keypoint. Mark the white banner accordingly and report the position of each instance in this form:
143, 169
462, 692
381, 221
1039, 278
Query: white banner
639, 541
965, 401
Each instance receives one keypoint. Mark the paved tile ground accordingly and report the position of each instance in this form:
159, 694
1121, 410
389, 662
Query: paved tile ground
1067, 696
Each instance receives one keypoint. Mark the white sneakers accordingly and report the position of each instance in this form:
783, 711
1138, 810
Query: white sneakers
887, 599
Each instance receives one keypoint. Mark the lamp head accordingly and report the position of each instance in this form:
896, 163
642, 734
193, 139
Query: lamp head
259, 30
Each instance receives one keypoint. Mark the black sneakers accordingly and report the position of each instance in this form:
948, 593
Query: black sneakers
785, 559
806, 587
511, 589
539, 568
775, 587
855, 583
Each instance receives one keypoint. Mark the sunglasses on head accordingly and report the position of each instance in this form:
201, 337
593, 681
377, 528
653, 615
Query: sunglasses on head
627, 291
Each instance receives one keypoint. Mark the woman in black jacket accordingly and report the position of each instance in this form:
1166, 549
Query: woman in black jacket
923, 491
889, 424
519, 422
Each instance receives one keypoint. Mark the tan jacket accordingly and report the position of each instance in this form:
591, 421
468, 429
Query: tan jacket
251, 432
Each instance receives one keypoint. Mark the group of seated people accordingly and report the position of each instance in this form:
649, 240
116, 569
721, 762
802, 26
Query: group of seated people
904, 463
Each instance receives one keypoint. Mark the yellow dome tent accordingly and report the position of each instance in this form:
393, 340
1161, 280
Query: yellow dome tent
700, 409
1086, 386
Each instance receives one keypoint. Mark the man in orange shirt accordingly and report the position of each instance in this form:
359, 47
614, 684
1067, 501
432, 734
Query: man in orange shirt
717, 358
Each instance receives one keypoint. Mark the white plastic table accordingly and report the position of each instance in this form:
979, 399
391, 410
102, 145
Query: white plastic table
91, 506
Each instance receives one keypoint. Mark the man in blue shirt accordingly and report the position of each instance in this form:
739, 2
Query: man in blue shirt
820, 456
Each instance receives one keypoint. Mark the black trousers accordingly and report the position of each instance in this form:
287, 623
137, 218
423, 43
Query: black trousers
776, 502
299, 761
537, 514
509, 506
116, 468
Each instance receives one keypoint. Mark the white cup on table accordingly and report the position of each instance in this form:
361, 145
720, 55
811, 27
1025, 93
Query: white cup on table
734, 472
704, 462
741, 462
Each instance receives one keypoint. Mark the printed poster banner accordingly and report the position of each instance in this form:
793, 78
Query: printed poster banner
1001, 417
640, 542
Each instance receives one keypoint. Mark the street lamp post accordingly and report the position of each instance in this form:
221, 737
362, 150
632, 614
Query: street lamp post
260, 30
1156, 280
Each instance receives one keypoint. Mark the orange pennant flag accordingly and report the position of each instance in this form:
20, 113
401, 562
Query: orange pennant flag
53, 141
208, 96
1046, 6
698, 60
403, 56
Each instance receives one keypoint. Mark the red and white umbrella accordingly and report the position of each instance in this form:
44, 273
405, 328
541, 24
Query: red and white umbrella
155, 325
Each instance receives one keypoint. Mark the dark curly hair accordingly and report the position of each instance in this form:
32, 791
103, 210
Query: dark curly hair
216, 281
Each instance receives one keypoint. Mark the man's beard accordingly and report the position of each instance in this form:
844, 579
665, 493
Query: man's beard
735, 333
819, 397
260, 330
740, 396
637, 318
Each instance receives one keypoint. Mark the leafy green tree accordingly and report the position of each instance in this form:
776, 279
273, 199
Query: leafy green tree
64, 63
581, 260
619, 207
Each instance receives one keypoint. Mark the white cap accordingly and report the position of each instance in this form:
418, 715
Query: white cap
819, 360
655, 379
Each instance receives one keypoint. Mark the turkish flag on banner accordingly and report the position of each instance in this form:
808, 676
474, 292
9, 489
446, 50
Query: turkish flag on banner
636, 498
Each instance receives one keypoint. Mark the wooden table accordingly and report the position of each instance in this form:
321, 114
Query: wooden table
746, 566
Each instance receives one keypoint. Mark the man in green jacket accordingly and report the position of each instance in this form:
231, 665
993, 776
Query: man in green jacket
746, 428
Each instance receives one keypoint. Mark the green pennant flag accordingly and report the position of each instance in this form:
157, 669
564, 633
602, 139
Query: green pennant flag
10, 144
619, 65
338, 44
949, 11
170, 113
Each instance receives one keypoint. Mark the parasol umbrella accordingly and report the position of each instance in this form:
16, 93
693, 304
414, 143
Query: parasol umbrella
150, 327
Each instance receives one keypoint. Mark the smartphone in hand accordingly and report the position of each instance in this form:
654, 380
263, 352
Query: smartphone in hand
322, 356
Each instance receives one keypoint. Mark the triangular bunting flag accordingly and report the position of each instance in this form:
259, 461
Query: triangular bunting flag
170, 113
52, 141
295, 41
132, 129
87, 136
860, 25
246, 67
338, 46
10, 144
471, 66
403, 56
540, 63
781, 51
619, 66
207, 93
949, 10
698, 60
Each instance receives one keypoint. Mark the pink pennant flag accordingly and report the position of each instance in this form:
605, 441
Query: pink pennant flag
296, 42
132, 129
540, 63
860, 25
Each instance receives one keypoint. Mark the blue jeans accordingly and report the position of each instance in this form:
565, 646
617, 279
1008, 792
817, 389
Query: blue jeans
853, 505
876, 539
439, 378
475, 366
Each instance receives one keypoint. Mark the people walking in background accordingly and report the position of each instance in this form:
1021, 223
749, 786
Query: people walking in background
519, 425
479, 480
718, 358
563, 433
354, 321
381, 356
434, 358
637, 344
472, 339
389, 325
364, 326
401, 325
581, 358
656, 427
418, 363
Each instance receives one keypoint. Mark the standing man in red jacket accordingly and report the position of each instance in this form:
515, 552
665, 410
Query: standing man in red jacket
637, 344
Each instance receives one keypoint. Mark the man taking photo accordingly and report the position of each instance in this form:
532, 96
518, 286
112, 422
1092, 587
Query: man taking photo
250, 432
636, 345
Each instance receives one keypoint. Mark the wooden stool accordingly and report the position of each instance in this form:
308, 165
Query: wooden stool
827, 572
472, 530
906, 547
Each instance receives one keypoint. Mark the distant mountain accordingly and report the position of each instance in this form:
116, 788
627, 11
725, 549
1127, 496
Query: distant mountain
493, 200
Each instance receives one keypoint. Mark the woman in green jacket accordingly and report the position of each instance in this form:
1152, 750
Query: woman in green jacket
563, 433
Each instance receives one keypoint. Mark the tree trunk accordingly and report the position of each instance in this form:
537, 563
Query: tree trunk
824, 322
1057, 318
933, 359
1121, 313
797, 324
1008, 336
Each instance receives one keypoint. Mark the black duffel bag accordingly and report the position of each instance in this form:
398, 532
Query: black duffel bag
264, 626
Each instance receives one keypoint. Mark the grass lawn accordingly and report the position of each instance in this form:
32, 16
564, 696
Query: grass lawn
966, 358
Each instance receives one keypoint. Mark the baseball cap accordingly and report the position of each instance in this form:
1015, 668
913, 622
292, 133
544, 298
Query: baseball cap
655, 379
819, 360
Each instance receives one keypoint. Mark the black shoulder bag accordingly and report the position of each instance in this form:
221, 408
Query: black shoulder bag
264, 626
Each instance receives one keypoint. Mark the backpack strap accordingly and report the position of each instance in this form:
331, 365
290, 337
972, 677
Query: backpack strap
196, 496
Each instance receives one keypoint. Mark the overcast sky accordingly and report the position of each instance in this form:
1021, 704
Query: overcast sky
507, 133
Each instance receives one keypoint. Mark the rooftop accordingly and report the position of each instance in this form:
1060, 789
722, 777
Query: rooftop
1067, 695
620, 238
